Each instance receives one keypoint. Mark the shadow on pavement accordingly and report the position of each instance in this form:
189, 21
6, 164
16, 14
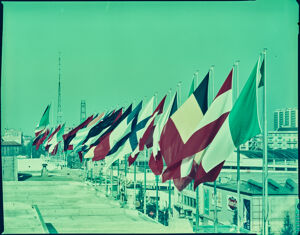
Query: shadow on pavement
51, 228
23, 176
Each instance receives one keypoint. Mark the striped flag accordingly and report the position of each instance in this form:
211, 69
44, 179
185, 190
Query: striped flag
183, 171
56, 140
137, 126
146, 133
156, 161
241, 124
149, 128
44, 122
82, 133
47, 142
104, 125
71, 134
122, 132
39, 140
181, 125
114, 133
107, 126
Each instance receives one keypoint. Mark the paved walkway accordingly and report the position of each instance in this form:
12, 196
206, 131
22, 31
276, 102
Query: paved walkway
70, 207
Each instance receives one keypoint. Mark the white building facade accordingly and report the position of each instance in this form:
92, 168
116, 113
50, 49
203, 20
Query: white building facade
285, 118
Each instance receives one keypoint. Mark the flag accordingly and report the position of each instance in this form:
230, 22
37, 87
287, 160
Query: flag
109, 125
181, 125
119, 135
183, 171
114, 133
241, 124
262, 74
149, 128
146, 133
101, 126
82, 133
44, 122
192, 88
156, 161
131, 143
47, 142
39, 140
71, 134
56, 140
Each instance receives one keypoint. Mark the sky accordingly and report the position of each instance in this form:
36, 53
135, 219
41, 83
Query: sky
117, 53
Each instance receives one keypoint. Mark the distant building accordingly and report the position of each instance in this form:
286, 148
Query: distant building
27, 139
10, 148
285, 118
283, 198
13, 135
9, 152
283, 138
282, 164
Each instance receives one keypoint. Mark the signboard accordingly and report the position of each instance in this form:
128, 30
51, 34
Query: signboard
231, 203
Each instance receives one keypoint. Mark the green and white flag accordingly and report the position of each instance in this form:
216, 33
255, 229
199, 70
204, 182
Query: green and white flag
43, 122
241, 124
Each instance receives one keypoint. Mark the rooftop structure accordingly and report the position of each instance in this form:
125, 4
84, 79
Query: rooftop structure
253, 187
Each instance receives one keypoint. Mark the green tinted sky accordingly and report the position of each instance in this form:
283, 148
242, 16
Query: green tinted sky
115, 52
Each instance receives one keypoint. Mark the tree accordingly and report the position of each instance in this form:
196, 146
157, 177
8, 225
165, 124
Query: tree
269, 230
287, 225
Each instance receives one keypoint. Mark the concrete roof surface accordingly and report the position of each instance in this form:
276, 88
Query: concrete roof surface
72, 207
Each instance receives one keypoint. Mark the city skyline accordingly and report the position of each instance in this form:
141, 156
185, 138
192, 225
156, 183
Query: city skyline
116, 53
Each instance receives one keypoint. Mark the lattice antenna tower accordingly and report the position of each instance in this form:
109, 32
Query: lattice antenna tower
82, 111
59, 112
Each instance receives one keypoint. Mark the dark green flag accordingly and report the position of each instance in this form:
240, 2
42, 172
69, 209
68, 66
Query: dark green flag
262, 73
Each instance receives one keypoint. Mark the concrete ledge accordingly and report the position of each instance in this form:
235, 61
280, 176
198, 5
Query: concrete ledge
130, 212
147, 217
41, 218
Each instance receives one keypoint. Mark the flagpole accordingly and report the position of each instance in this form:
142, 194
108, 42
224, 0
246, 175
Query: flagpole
197, 78
65, 159
170, 182
265, 152
197, 189
211, 76
238, 154
145, 182
125, 188
52, 112
156, 176
111, 180
106, 182
118, 178
134, 175
179, 103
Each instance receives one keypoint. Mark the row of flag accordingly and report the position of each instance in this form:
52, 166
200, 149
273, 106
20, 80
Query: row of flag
189, 142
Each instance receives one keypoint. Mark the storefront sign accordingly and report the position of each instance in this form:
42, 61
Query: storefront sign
231, 203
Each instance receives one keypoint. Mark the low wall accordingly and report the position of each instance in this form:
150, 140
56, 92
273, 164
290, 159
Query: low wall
34, 164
